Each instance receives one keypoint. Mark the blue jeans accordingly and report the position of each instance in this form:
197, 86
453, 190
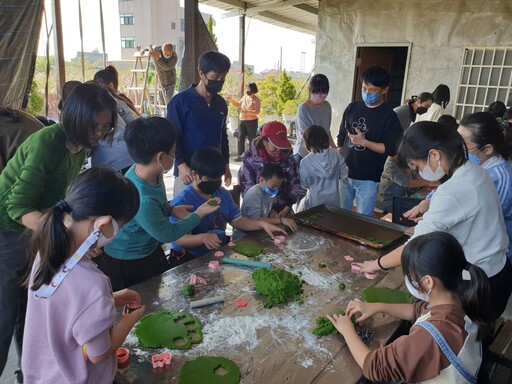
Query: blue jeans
365, 193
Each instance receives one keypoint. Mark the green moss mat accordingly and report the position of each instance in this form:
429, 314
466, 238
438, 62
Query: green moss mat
278, 285
248, 249
386, 295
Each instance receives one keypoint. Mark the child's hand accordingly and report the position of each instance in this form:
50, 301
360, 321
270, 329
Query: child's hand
270, 228
136, 314
290, 223
126, 296
370, 266
418, 210
211, 240
284, 212
181, 211
209, 207
366, 310
273, 214
342, 323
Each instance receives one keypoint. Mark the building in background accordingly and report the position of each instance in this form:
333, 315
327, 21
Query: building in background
152, 22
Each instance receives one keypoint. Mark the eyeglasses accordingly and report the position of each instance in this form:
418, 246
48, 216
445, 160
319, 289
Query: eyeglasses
413, 166
103, 131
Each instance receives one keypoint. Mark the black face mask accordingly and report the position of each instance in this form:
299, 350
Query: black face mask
249, 93
421, 110
214, 86
208, 187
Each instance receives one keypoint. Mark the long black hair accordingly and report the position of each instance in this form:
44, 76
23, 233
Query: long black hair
439, 254
96, 192
441, 95
485, 129
423, 136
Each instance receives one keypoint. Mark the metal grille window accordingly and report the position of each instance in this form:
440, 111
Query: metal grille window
127, 42
182, 25
173, 25
127, 19
485, 77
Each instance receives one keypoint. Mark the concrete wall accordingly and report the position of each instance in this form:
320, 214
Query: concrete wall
438, 31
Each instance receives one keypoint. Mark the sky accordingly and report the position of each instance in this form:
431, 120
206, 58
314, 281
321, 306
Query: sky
263, 41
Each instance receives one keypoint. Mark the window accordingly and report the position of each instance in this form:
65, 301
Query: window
173, 25
485, 77
127, 19
182, 25
127, 42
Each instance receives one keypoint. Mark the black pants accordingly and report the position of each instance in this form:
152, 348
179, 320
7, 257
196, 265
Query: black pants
501, 288
125, 273
248, 129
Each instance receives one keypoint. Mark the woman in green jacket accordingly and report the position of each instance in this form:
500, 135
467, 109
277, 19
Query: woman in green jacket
35, 179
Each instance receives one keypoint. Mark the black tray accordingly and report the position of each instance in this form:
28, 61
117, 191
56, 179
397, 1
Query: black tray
366, 230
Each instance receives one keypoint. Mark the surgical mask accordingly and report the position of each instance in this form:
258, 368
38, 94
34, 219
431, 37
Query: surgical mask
473, 158
103, 240
318, 98
370, 98
270, 192
208, 187
167, 57
161, 166
429, 175
415, 292
421, 110
214, 86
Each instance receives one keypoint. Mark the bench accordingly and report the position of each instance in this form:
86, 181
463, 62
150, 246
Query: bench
500, 350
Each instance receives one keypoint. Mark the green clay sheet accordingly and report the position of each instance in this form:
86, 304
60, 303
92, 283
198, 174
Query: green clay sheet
210, 370
248, 249
386, 295
167, 329
278, 285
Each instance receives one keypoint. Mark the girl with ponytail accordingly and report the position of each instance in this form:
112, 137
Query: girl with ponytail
450, 318
70, 334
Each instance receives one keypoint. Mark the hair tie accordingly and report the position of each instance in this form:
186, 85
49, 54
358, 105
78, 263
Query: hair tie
468, 266
63, 206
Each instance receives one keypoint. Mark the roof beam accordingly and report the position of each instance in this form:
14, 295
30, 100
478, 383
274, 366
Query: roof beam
307, 8
276, 5
285, 20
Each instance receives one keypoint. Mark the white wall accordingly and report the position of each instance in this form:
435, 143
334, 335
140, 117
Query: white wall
438, 30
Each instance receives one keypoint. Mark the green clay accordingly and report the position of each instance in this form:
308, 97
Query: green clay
324, 327
279, 286
322, 265
168, 329
248, 249
205, 369
342, 286
189, 290
386, 295
213, 203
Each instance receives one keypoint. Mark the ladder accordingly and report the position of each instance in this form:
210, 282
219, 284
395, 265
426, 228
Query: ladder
147, 98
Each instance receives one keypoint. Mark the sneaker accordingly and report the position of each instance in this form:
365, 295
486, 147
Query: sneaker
19, 376
238, 158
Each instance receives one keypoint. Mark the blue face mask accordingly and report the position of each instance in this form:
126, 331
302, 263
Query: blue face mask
270, 192
473, 158
370, 98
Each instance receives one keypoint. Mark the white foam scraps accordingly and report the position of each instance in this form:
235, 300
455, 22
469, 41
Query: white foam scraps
305, 242
316, 279
307, 363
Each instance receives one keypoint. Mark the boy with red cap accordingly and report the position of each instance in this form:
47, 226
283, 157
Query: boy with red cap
272, 147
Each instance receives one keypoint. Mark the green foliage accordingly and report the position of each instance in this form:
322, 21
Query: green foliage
189, 290
35, 100
210, 30
279, 286
267, 94
285, 91
324, 327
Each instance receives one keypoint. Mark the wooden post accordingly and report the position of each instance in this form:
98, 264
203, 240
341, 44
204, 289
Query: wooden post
60, 69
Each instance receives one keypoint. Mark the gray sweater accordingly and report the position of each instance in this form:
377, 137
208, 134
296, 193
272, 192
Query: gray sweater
256, 204
308, 115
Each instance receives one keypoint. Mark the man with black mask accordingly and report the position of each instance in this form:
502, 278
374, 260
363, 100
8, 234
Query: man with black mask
199, 114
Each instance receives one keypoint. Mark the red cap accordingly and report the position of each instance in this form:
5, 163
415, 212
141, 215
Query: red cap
275, 132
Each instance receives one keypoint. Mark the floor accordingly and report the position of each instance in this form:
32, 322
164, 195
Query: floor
498, 376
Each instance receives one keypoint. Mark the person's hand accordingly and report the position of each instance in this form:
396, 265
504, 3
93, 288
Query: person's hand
211, 240
185, 174
420, 209
136, 314
205, 209
93, 252
126, 296
365, 310
154, 54
273, 214
181, 211
342, 323
358, 138
284, 212
290, 223
227, 176
369, 266
270, 228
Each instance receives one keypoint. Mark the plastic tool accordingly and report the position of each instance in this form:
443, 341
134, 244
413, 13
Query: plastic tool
247, 263
207, 301
162, 359
123, 354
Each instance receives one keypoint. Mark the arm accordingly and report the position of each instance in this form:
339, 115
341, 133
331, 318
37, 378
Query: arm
175, 116
391, 260
294, 180
246, 176
31, 220
167, 64
342, 133
237, 104
245, 224
359, 139
256, 105
210, 240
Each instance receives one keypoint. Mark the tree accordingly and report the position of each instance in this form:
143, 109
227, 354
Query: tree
285, 91
210, 30
267, 94
35, 101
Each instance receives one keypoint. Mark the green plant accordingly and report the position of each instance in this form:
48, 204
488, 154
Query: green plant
285, 90
35, 100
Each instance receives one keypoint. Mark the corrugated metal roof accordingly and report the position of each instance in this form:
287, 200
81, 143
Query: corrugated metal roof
297, 15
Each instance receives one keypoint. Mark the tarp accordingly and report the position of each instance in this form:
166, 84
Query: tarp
20, 22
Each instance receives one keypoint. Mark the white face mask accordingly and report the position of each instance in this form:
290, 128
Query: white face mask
318, 98
415, 292
102, 241
429, 175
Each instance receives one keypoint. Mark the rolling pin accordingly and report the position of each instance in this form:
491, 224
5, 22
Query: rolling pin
247, 263
207, 301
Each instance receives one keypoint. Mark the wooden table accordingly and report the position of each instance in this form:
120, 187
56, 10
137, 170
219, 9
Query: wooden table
277, 345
